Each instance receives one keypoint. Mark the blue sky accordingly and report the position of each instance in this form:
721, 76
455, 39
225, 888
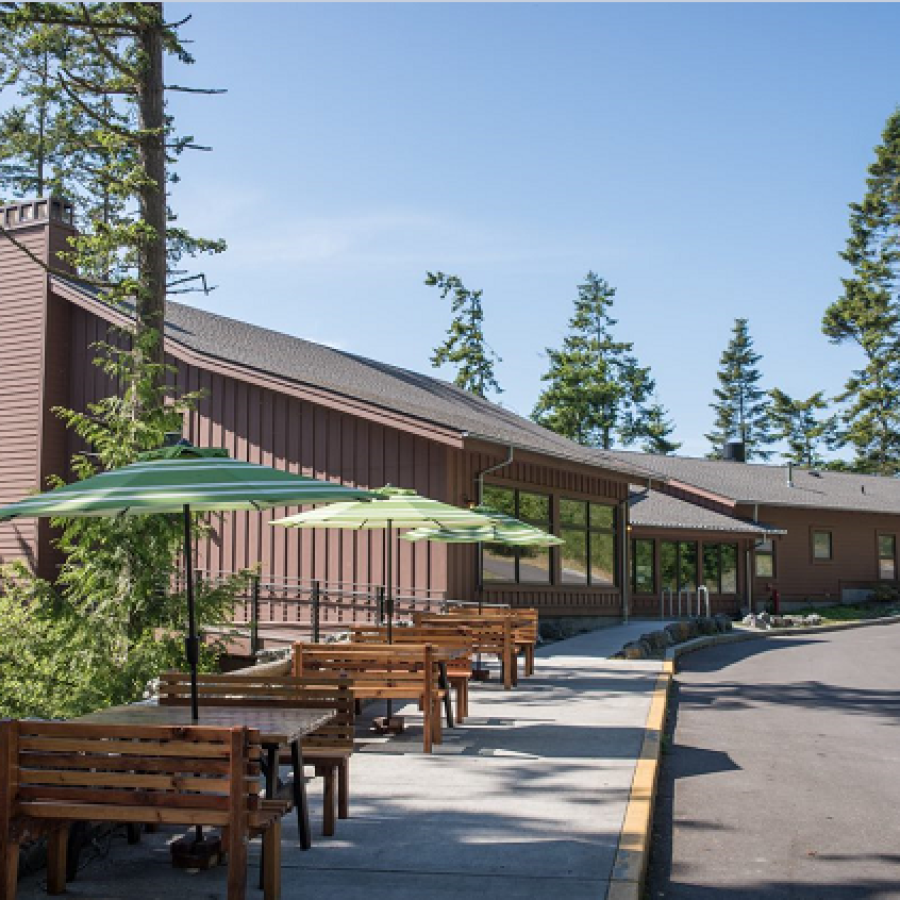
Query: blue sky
699, 157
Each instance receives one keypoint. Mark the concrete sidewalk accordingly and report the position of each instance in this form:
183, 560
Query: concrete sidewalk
527, 797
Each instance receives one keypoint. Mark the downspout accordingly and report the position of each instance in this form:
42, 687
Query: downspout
479, 477
750, 573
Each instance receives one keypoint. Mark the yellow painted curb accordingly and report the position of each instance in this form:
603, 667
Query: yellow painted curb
630, 866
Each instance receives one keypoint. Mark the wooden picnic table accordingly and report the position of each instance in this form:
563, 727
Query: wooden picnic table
277, 728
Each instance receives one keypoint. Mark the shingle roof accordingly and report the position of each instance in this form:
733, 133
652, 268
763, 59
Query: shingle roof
768, 484
348, 375
657, 510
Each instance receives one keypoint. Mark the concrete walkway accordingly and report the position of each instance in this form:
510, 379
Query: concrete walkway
525, 799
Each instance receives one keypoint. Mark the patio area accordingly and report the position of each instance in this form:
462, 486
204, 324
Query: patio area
530, 790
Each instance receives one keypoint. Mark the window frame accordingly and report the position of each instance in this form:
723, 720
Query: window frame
879, 557
545, 525
719, 545
588, 529
678, 544
770, 554
821, 560
632, 566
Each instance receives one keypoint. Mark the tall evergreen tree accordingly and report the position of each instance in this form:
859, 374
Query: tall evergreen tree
868, 314
596, 392
796, 422
96, 71
741, 405
465, 346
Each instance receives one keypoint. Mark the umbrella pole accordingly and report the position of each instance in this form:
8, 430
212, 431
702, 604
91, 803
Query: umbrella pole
191, 645
389, 598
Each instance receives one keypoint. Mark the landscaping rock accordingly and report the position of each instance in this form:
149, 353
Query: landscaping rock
723, 623
812, 619
658, 640
636, 650
707, 625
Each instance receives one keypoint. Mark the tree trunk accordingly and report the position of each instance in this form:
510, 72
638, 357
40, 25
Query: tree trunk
151, 300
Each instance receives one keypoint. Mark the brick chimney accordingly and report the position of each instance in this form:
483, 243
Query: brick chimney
34, 367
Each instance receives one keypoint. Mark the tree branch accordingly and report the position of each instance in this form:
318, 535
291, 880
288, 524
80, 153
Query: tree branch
190, 90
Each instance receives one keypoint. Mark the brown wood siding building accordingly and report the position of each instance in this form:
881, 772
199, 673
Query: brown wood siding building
263, 417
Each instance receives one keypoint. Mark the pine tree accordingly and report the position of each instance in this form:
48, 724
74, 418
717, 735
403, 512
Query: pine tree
741, 406
657, 431
102, 65
868, 314
796, 422
596, 391
465, 346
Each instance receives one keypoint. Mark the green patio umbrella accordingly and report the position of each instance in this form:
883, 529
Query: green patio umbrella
181, 479
503, 529
390, 508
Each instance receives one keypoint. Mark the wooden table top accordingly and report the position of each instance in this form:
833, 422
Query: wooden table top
275, 726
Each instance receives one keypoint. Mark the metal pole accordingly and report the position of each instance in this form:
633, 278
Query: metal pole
191, 644
254, 615
389, 577
315, 611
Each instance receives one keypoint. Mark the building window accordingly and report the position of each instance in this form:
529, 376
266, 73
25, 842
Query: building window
821, 546
589, 549
764, 557
678, 565
523, 565
887, 557
720, 568
643, 567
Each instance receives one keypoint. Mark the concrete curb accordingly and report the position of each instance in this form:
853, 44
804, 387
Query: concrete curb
630, 866
736, 637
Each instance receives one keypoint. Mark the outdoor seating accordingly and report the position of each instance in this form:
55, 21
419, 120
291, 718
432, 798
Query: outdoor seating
493, 636
525, 627
457, 639
56, 773
381, 671
328, 748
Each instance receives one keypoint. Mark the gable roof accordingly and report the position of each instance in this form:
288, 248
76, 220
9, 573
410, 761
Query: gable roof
407, 393
767, 485
652, 509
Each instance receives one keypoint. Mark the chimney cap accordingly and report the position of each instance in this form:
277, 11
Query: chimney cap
23, 213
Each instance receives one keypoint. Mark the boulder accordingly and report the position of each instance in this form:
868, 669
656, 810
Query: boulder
636, 650
812, 619
723, 623
658, 640
707, 625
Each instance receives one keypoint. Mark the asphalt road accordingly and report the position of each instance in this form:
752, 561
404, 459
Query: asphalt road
782, 779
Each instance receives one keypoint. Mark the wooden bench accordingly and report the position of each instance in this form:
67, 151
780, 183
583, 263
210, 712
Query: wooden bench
328, 749
450, 636
380, 671
525, 627
493, 636
56, 773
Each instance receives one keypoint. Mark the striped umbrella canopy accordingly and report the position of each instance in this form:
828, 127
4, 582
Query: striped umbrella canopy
181, 479
503, 529
390, 508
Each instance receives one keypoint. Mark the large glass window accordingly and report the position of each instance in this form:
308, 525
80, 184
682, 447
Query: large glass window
720, 568
678, 565
588, 554
821, 546
887, 557
643, 574
524, 565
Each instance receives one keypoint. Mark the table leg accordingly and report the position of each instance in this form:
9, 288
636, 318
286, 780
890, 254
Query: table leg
300, 797
270, 770
444, 683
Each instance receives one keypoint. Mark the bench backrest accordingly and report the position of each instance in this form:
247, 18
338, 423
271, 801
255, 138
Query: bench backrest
400, 665
490, 635
325, 691
524, 619
185, 775
453, 636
